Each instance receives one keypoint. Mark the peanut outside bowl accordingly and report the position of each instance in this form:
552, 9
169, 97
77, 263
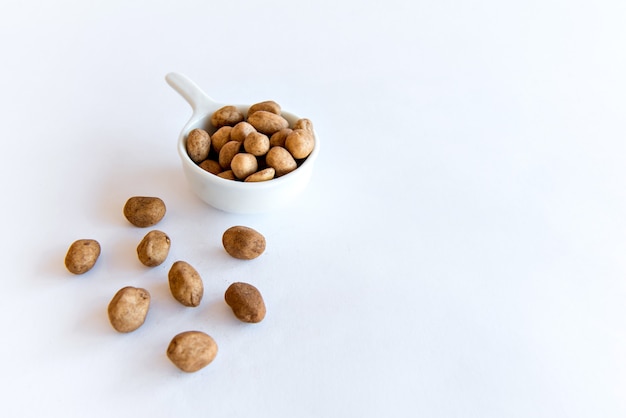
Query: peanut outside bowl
229, 195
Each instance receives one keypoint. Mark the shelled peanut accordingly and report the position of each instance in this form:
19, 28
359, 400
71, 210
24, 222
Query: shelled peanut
257, 146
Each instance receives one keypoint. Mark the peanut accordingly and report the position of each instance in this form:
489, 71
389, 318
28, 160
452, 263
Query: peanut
280, 160
300, 143
82, 256
185, 284
266, 122
246, 302
305, 124
256, 144
226, 116
221, 137
240, 131
262, 175
198, 145
278, 139
243, 164
268, 106
128, 308
191, 351
211, 166
228, 151
153, 248
144, 211
243, 242
228, 175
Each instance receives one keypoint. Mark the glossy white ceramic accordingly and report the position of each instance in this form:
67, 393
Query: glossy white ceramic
229, 195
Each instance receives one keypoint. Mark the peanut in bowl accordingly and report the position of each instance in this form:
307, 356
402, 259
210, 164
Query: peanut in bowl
227, 194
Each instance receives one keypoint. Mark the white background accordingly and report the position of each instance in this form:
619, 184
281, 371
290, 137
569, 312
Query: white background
459, 252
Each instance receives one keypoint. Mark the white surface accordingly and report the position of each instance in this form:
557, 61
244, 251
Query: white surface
460, 250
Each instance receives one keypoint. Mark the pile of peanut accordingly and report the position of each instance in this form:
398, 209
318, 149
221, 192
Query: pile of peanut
190, 351
255, 147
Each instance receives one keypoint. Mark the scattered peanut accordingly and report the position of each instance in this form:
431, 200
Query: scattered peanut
144, 211
82, 255
185, 284
128, 308
246, 302
243, 242
153, 248
191, 351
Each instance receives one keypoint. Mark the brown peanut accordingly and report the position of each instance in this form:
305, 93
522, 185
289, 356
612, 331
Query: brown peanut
280, 160
268, 105
305, 124
278, 139
262, 175
128, 308
226, 116
191, 351
153, 248
228, 151
185, 284
198, 145
300, 143
144, 211
240, 131
246, 302
82, 256
266, 122
211, 166
227, 174
256, 144
243, 242
243, 164
221, 137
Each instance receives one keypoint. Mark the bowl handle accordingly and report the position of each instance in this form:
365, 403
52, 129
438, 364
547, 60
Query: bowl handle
200, 103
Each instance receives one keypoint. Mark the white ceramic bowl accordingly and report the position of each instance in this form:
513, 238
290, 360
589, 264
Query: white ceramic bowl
230, 195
